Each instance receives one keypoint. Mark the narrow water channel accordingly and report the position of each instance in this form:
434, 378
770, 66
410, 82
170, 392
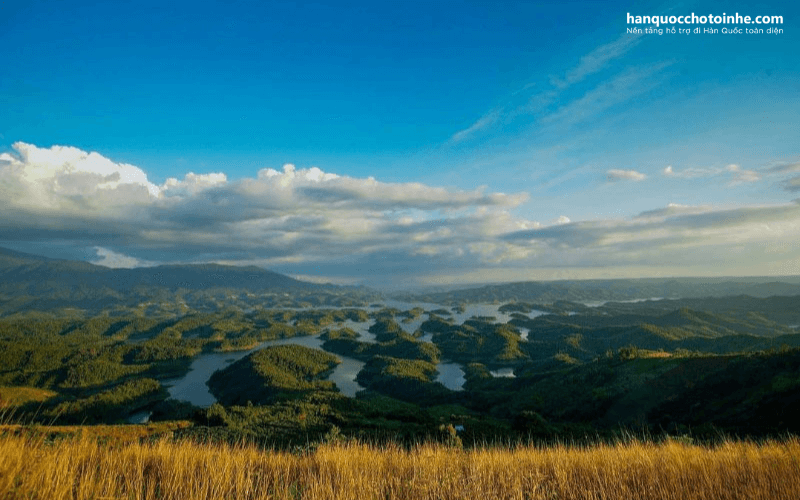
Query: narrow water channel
451, 375
192, 386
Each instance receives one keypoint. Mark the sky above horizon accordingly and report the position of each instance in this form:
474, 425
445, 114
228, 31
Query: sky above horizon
406, 143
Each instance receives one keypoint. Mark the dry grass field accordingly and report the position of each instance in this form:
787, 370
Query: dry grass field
82, 467
16, 396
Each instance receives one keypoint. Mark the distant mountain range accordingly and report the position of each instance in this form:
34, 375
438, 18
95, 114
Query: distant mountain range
32, 282
35, 282
598, 291
33, 270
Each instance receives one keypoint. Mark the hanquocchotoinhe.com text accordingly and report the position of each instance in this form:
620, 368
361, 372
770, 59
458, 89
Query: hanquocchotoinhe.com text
712, 24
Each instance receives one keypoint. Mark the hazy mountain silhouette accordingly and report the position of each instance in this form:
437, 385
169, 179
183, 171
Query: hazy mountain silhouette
28, 274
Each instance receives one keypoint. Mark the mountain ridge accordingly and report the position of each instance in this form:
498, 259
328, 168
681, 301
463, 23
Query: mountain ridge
21, 267
31, 282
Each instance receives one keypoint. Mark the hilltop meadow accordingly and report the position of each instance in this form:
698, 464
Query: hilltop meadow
33, 466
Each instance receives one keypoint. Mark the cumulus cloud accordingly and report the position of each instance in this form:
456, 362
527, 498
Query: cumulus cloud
313, 186
624, 175
306, 221
192, 184
69, 180
291, 215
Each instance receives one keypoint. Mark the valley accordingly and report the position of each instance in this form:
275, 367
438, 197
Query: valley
399, 368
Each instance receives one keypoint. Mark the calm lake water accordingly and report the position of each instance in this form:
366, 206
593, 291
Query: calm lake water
192, 386
451, 375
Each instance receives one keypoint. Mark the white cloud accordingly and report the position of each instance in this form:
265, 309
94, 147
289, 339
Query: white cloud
69, 180
624, 175
674, 209
679, 240
294, 215
740, 176
693, 172
110, 258
311, 222
192, 184
315, 187
737, 174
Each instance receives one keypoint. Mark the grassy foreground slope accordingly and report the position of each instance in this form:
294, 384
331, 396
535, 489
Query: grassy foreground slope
85, 469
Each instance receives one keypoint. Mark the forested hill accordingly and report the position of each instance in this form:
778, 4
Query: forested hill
35, 282
548, 292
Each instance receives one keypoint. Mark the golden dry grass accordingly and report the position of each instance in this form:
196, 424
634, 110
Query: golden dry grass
15, 396
81, 468
105, 433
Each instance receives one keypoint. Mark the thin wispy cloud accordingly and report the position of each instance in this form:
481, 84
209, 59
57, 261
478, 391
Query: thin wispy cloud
674, 209
598, 59
736, 175
619, 89
741, 176
532, 99
792, 185
669, 235
784, 167
483, 122
692, 172
615, 175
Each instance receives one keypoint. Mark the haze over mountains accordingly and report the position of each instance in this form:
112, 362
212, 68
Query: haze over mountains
27, 268
34, 282
594, 291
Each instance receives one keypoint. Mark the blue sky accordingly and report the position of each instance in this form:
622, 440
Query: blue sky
431, 142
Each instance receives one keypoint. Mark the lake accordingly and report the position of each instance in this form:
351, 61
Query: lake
192, 386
